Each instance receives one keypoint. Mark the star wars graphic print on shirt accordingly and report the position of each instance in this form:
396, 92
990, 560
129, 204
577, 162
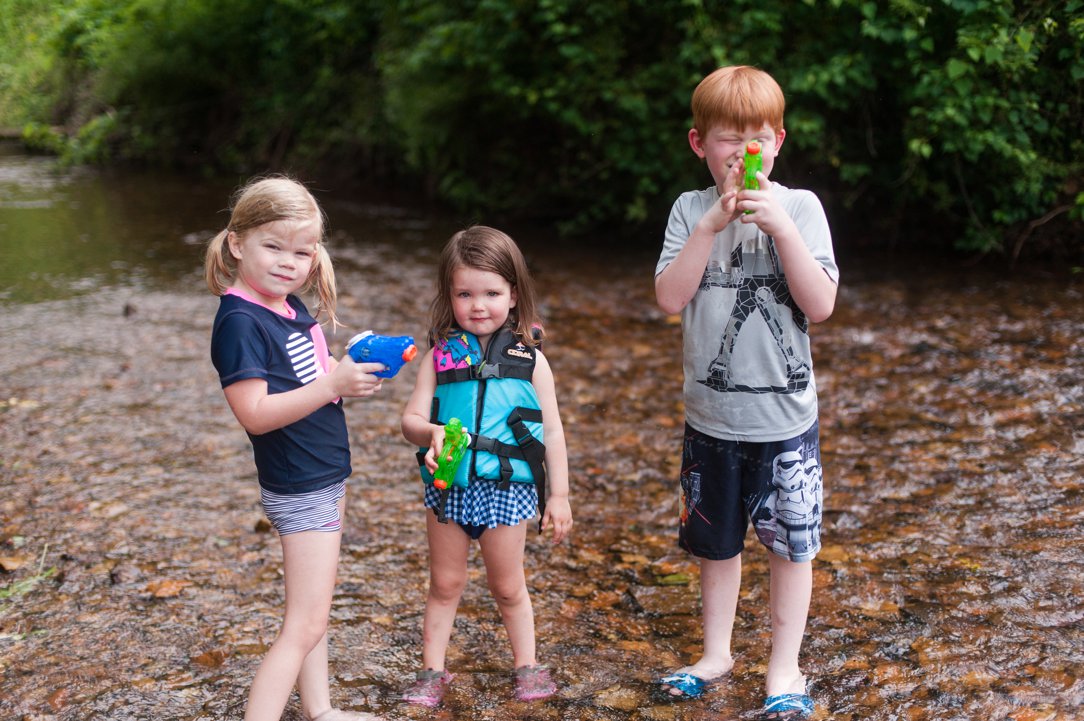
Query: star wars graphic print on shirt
746, 350
755, 274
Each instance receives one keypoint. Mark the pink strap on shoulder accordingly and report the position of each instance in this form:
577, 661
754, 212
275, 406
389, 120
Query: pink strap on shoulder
453, 353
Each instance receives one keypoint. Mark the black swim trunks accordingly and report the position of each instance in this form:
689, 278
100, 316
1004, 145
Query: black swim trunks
776, 484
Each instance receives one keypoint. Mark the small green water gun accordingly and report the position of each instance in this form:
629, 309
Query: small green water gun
456, 441
754, 163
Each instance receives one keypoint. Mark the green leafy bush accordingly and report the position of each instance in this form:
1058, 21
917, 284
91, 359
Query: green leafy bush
557, 109
25, 63
930, 121
955, 120
220, 84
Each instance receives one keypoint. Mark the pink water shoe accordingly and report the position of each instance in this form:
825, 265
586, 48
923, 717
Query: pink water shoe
534, 683
429, 688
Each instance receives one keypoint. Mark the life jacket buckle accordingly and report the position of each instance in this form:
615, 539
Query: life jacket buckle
483, 443
524, 438
485, 371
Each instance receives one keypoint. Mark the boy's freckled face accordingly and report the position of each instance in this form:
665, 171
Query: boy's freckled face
721, 147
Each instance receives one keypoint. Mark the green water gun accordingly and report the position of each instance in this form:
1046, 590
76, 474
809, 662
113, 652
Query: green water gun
451, 455
754, 163
456, 441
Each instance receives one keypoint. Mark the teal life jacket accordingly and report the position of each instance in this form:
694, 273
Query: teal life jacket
492, 395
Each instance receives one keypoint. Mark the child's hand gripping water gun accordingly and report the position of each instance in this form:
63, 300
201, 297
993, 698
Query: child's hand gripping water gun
456, 441
392, 351
754, 163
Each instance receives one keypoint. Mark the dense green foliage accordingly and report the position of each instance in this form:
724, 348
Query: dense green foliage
945, 121
24, 61
217, 84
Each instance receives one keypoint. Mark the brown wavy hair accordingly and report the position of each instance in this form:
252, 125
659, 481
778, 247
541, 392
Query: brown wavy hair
484, 248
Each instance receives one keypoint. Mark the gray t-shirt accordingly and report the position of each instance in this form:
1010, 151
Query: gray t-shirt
747, 359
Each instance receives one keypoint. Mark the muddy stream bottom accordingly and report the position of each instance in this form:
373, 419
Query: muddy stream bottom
140, 581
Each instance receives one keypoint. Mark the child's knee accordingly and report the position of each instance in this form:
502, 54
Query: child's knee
509, 592
305, 633
447, 586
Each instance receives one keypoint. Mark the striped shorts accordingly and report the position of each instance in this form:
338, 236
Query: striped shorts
313, 511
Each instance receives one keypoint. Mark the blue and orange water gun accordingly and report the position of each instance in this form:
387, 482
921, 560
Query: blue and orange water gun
392, 351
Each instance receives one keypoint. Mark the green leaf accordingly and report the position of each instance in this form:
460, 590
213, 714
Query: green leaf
957, 68
1024, 38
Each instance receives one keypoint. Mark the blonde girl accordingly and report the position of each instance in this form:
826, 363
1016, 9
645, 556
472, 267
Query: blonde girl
285, 389
484, 316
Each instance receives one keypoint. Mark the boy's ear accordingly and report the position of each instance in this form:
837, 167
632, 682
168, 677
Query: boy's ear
779, 139
696, 142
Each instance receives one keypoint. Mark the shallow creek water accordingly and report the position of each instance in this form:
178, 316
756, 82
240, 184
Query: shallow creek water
138, 580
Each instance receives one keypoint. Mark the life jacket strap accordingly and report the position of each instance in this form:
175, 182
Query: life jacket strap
442, 505
533, 450
527, 448
485, 371
497, 448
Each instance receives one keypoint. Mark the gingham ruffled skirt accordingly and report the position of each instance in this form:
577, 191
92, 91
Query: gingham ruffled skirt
482, 503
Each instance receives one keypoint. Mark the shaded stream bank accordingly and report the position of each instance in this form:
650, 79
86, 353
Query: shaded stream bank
952, 415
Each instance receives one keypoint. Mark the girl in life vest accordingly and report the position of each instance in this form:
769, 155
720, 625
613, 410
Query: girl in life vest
486, 370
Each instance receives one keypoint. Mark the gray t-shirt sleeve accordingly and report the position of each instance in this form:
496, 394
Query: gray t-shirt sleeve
808, 214
684, 214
